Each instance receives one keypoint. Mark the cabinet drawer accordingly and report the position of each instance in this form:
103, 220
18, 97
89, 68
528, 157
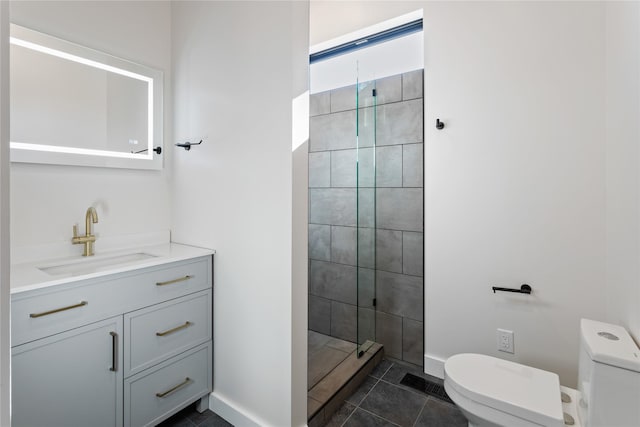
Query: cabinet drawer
154, 394
161, 331
49, 311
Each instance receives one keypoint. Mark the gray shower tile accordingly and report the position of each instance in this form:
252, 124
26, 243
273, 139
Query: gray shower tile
336, 206
399, 123
320, 242
343, 98
400, 294
412, 341
343, 245
342, 345
399, 208
389, 334
389, 169
333, 281
319, 103
320, 169
366, 326
365, 94
412, 253
366, 167
322, 362
389, 250
412, 165
319, 314
365, 247
412, 86
367, 118
366, 287
343, 321
343, 168
316, 340
366, 207
388, 89
332, 131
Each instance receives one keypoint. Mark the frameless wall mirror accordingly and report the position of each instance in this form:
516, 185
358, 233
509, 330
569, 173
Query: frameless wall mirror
72, 105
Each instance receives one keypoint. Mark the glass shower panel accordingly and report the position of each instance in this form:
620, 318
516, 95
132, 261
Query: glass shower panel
366, 213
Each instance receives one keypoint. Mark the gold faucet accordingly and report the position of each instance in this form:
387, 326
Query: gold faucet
88, 238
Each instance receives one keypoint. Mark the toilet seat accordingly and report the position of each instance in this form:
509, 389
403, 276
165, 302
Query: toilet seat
521, 391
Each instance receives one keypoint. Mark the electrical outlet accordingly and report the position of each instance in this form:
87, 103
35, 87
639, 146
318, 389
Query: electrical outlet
505, 340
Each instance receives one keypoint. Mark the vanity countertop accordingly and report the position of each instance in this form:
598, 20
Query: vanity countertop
31, 276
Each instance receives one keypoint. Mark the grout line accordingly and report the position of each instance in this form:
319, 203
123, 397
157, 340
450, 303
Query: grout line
421, 410
406, 388
378, 416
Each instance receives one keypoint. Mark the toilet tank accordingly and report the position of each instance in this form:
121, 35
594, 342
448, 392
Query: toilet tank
609, 376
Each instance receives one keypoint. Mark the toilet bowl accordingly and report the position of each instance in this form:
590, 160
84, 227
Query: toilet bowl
495, 392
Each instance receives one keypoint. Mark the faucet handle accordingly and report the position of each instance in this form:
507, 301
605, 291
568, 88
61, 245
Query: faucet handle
75, 230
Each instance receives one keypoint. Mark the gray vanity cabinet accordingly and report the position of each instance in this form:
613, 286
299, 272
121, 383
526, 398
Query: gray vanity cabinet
70, 378
125, 349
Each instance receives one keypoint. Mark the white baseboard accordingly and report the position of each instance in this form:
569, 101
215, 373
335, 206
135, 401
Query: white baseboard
434, 366
232, 413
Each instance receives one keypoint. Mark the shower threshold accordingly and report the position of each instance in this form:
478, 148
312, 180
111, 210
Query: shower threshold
335, 372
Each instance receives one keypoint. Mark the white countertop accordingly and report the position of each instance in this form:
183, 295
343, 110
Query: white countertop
29, 276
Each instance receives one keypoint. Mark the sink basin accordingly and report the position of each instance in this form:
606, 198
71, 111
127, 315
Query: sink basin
76, 266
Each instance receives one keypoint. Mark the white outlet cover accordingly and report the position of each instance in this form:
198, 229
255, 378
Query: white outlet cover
505, 340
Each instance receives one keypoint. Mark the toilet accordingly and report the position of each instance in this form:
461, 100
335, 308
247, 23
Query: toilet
495, 392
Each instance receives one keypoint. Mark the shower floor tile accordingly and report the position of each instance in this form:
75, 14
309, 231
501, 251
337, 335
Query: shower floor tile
324, 355
334, 373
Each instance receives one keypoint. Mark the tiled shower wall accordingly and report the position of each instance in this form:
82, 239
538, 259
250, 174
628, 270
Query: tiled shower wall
398, 208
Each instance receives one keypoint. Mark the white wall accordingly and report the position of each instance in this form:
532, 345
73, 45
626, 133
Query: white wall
5, 331
237, 68
515, 183
47, 200
623, 164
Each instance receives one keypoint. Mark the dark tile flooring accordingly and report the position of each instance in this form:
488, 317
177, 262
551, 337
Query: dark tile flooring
189, 417
380, 401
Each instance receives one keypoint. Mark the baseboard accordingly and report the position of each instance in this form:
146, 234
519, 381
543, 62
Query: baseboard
232, 413
434, 366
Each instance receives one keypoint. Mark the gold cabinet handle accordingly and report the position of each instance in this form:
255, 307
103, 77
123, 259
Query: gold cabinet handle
58, 310
176, 329
114, 351
175, 388
169, 282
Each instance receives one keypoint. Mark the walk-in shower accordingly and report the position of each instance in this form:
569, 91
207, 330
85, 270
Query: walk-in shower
366, 221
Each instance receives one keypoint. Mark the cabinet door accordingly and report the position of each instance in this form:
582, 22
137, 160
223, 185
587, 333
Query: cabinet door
70, 379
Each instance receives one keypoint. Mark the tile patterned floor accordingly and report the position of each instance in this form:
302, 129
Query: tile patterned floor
380, 401
383, 401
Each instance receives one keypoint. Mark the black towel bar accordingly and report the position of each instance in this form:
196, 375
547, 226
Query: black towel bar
524, 289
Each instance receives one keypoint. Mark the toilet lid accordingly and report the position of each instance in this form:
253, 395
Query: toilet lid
519, 390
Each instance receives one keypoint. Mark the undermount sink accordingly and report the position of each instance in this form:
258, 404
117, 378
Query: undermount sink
92, 265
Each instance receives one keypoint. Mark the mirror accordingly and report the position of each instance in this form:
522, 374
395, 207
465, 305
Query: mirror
72, 105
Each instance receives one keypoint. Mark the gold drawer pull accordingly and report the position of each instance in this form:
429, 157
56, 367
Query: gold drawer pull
169, 282
173, 389
176, 329
58, 310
